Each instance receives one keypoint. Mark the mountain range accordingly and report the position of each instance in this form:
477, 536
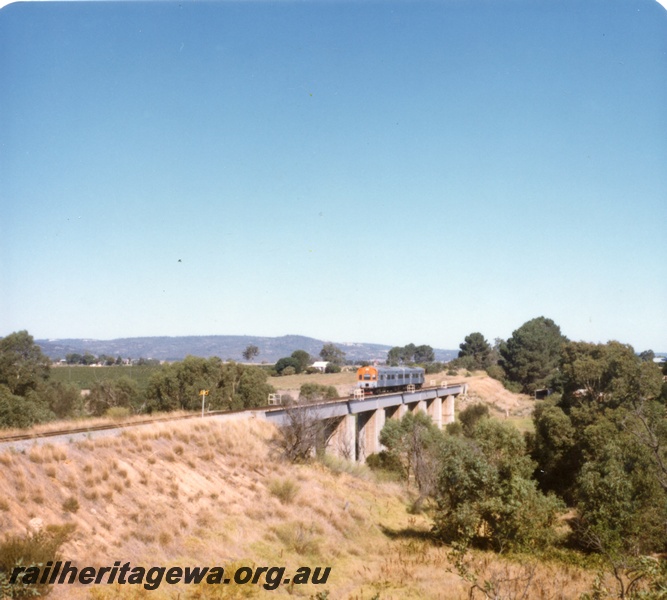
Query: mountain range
225, 346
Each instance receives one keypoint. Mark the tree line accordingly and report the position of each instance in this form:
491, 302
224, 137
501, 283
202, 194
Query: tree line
28, 395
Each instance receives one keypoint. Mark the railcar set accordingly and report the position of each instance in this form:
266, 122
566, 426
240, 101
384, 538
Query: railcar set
380, 380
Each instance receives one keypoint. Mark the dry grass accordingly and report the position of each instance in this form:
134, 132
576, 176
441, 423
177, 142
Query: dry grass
206, 493
482, 388
284, 489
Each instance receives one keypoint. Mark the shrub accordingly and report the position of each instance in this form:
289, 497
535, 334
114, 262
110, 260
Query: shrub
496, 372
288, 362
300, 436
312, 392
31, 550
17, 411
298, 537
285, 490
471, 415
454, 428
385, 461
71, 504
486, 495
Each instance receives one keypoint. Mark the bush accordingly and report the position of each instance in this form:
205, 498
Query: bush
288, 362
496, 372
71, 504
485, 493
513, 386
466, 362
299, 537
23, 412
300, 436
312, 392
470, 416
31, 550
454, 428
385, 461
434, 367
110, 394
285, 490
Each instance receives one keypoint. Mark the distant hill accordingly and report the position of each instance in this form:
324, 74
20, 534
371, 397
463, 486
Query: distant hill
224, 346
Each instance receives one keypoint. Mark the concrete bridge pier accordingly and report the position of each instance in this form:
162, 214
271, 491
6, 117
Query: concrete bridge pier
369, 426
434, 410
342, 437
448, 410
416, 406
395, 413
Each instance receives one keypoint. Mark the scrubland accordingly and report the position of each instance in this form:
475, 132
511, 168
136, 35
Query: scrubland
204, 493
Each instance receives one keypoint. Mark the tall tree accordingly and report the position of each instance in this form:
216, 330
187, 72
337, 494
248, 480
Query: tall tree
530, 357
303, 358
231, 385
394, 356
331, 353
424, 354
478, 349
122, 392
602, 445
22, 365
414, 442
400, 355
250, 352
285, 363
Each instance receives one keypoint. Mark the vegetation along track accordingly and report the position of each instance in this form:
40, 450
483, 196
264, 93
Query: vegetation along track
24, 437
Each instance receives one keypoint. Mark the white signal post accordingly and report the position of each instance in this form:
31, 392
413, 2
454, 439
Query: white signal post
203, 394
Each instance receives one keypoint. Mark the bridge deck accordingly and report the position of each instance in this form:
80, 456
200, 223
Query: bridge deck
351, 406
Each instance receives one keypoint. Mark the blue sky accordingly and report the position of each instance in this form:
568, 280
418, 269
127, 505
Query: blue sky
386, 172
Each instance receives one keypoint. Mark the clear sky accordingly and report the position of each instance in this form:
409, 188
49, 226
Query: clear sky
386, 172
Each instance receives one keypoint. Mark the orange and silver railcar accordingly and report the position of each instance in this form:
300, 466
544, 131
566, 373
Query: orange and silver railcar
378, 380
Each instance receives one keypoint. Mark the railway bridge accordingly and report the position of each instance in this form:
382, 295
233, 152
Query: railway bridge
352, 426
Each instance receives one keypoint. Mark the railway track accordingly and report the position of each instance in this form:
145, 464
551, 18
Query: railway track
20, 437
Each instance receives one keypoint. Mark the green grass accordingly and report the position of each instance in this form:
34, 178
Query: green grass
85, 377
